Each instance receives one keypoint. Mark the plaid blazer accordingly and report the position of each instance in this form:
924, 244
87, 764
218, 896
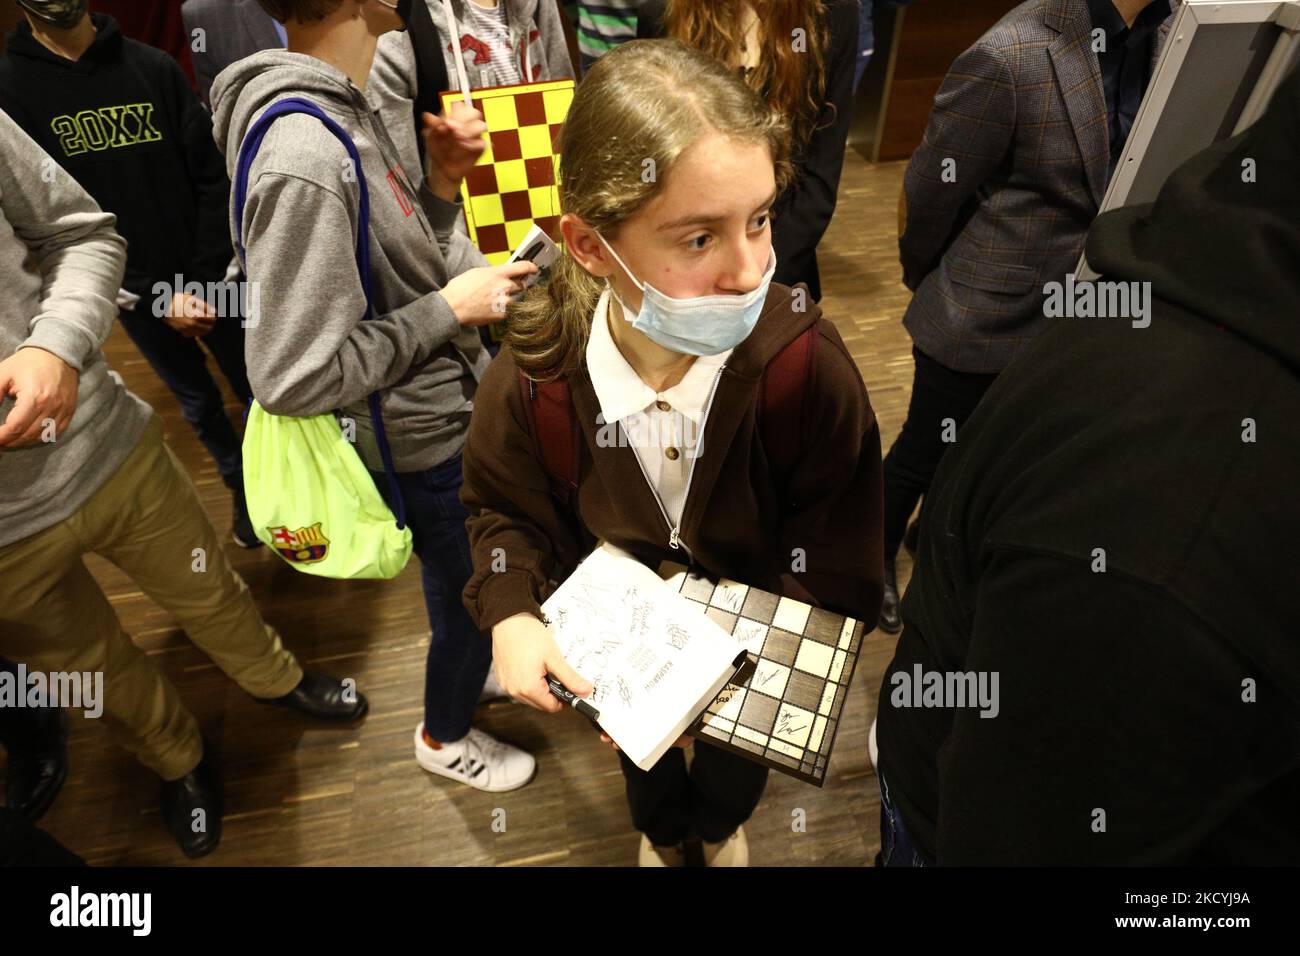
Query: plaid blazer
1021, 115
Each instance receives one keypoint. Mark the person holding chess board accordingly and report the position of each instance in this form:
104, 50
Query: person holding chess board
661, 321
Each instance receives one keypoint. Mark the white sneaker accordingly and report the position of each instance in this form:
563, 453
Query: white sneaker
733, 851
872, 752
651, 855
492, 690
478, 760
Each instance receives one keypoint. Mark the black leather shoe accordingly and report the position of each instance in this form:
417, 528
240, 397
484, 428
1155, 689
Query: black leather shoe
38, 763
197, 834
241, 526
323, 698
890, 622
912, 536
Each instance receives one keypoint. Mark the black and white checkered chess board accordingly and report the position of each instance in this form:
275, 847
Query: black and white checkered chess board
787, 707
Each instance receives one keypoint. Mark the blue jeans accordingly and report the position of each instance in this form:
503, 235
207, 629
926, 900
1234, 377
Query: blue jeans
183, 368
895, 845
866, 41
459, 653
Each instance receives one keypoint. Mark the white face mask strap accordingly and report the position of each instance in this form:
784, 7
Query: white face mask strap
619, 259
453, 30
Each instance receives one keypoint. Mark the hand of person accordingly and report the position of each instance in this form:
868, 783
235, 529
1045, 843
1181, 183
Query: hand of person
44, 387
480, 296
453, 142
189, 315
524, 652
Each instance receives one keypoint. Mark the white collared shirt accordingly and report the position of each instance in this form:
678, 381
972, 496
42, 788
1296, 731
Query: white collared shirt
663, 428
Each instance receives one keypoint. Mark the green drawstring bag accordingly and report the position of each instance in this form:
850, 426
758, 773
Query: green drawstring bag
310, 497
313, 501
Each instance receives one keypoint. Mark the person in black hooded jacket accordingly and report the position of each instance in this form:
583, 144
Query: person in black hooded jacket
1113, 537
121, 118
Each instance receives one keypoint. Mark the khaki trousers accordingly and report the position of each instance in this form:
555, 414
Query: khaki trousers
148, 521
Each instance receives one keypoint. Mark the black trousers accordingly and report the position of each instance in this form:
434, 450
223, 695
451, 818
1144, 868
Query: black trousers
710, 800
23, 844
938, 393
20, 725
183, 368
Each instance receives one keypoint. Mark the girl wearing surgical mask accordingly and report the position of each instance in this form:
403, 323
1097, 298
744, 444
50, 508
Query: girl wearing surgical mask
650, 340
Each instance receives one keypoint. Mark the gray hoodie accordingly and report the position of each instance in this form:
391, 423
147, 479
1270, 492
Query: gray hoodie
308, 349
61, 264
392, 83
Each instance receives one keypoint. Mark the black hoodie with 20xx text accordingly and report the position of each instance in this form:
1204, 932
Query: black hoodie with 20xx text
123, 121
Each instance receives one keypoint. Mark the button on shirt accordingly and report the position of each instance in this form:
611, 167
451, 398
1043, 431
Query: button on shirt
1125, 65
663, 428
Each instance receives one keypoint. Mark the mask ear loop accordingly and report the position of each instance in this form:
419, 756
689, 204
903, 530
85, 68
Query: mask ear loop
619, 259
628, 314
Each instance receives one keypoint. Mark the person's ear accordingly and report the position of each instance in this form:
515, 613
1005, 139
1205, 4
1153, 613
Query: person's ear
585, 247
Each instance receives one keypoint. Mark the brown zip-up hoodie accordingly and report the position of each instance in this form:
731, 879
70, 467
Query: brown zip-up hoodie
735, 523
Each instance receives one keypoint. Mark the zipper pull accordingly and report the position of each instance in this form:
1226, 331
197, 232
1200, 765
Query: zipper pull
674, 540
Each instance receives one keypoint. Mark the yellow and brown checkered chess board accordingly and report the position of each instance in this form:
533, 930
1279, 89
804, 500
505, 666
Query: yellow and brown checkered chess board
514, 184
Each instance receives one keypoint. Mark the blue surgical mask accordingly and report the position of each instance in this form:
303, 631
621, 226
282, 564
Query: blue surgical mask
704, 325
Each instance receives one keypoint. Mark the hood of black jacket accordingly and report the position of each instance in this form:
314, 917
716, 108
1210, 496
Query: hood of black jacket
105, 48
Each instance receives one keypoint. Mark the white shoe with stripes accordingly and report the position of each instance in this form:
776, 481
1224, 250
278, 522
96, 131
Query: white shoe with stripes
873, 754
477, 760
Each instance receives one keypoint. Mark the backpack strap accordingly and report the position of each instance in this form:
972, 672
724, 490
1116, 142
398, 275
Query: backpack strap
247, 153
553, 423
430, 69
782, 401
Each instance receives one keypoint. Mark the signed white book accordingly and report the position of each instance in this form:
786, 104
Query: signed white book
654, 659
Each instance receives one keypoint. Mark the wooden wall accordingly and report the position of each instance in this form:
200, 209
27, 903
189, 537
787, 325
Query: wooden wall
915, 45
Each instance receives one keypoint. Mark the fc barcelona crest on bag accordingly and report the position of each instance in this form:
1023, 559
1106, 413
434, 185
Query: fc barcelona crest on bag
304, 546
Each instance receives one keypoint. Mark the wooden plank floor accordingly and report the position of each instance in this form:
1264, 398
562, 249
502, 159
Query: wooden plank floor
300, 793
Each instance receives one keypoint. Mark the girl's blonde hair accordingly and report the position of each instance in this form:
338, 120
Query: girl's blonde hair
638, 109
